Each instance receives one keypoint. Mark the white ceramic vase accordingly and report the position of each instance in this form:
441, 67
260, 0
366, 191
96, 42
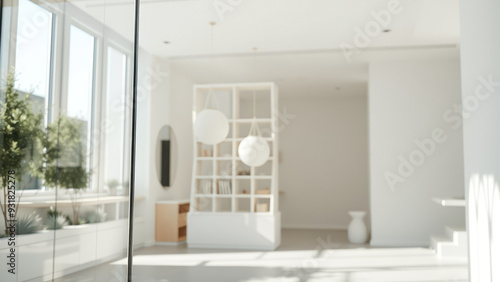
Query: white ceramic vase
357, 231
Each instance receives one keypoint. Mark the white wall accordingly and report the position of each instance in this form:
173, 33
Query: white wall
321, 183
164, 100
324, 166
480, 55
407, 101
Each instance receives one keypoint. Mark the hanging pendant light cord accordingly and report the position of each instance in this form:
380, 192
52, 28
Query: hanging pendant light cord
255, 72
254, 128
210, 100
254, 107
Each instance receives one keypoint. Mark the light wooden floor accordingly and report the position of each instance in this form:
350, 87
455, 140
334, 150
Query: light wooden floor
305, 255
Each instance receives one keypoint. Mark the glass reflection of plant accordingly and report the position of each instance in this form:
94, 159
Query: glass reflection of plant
64, 158
112, 185
20, 129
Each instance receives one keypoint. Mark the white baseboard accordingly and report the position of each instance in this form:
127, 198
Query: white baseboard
313, 226
149, 244
169, 243
232, 247
399, 243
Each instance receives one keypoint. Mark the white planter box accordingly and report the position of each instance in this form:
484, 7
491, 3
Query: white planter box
77, 247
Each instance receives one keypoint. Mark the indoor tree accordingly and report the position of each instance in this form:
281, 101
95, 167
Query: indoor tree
64, 159
20, 132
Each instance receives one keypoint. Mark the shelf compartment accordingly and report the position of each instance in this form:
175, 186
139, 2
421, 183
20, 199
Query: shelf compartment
223, 96
204, 186
224, 168
203, 203
241, 169
224, 149
204, 168
264, 170
182, 233
223, 204
242, 186
263, 186
182, 220
204, 150
262, 205
242, 204
224, 187
262, 101
244, 128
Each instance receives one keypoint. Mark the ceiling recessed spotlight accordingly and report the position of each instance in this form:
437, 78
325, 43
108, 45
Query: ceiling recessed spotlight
387, 30
166, 42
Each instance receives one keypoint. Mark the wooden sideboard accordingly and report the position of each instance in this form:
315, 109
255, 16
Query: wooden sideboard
171, 221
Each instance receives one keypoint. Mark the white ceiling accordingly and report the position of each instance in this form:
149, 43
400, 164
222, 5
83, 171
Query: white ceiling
298, 40
318, 74
290, 25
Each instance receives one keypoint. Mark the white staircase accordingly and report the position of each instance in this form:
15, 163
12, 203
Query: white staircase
455, 243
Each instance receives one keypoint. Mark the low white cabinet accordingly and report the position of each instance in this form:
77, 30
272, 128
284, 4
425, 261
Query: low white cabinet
252, 231
76, 248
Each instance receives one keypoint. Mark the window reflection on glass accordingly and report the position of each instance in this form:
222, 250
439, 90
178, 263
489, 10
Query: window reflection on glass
33, 64
33, 46
115, 117
81, 72
81, 85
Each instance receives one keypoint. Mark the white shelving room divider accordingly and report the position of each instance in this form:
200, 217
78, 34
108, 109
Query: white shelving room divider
233, 205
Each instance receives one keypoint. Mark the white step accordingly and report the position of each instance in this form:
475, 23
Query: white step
457, 234
454, 245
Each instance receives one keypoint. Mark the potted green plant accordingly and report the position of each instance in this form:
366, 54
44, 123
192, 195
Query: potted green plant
56, 219
112, 185
20, 132
65, 162
29, 224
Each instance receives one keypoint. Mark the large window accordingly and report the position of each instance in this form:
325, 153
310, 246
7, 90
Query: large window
81, 74
33, 63
68, 78
115, 116
33, 49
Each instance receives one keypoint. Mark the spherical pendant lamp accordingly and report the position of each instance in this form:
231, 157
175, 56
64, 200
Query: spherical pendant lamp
211, 126
254, 151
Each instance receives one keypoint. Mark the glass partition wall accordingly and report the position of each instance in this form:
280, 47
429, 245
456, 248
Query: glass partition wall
66, 70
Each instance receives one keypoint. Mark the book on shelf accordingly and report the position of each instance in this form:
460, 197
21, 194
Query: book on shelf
206, 187
224, 187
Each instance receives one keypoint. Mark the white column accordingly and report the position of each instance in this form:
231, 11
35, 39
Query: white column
480, 64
